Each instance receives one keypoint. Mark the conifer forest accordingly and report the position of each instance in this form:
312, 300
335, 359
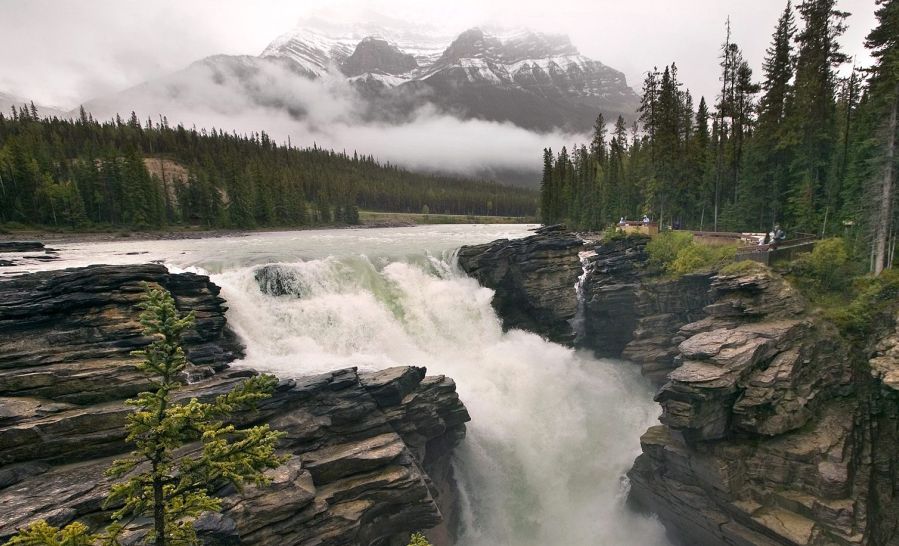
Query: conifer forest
83, 172
799, 145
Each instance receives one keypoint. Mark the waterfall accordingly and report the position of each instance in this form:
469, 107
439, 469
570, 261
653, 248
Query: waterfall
577, 323
553, 430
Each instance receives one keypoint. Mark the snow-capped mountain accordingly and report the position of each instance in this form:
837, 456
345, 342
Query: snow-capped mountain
321, 44
533, 80
313, 52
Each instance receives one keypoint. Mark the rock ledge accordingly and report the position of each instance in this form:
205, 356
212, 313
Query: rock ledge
369, 452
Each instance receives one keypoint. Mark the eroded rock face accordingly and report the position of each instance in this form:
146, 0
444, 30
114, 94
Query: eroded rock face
67, 335
884, 358
534, 280
369, 453
632, 315
614, 277
768, 431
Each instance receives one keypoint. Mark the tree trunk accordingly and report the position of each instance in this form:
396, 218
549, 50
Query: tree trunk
885, 212
158, 510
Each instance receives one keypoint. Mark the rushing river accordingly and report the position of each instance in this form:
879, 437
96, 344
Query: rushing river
553, 430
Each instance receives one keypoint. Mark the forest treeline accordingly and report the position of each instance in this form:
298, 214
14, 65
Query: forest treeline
800, 146
82, 172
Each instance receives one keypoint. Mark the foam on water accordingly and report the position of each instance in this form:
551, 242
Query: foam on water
552, 431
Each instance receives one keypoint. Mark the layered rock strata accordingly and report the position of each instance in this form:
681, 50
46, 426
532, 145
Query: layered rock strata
629, 313
534, 280
758, 442
368, 452
775, 429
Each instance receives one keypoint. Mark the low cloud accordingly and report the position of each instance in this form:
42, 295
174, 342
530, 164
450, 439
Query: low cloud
246, 94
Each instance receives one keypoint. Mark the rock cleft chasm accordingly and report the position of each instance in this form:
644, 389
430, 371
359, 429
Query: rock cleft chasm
369, 453
774, 428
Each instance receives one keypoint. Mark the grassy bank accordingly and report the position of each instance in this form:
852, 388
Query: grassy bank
399, 218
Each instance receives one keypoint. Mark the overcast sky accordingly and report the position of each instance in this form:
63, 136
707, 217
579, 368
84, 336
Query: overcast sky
64, 52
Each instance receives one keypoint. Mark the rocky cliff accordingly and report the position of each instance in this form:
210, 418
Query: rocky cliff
377, 56
774, 428
369, 452
759, 441
534, 280
630, 313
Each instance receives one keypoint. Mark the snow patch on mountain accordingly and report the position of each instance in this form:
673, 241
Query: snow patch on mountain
314, 52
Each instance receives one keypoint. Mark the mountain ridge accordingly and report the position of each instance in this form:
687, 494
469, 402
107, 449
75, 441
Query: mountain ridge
533, 80
522, 73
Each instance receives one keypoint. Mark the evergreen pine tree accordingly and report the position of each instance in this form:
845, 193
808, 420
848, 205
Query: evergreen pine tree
547, 189
883, 41
598, 143
769, 160
811, 117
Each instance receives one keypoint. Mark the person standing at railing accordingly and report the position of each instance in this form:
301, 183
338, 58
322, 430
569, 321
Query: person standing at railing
779, 233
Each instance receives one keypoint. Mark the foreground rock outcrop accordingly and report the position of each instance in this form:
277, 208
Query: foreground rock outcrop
369, 452
534, 280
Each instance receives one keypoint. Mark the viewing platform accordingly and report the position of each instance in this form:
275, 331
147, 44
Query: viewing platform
785, 250
636, 226
749, 244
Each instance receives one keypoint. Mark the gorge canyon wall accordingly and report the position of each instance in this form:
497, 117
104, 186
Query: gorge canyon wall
774, 429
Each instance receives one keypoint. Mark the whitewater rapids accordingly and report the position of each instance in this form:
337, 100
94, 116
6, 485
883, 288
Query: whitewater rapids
553, 430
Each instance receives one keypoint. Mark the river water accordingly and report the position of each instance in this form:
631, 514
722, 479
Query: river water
553, 430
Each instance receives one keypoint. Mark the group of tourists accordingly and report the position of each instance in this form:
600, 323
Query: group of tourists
646, 221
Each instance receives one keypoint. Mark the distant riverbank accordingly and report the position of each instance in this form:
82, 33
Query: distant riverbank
368, 219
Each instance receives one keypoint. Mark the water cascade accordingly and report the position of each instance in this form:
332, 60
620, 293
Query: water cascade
553, 430
577, 323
